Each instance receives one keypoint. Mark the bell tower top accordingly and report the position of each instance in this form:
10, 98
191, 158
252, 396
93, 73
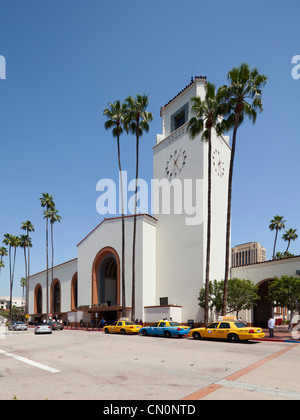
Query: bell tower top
177, 111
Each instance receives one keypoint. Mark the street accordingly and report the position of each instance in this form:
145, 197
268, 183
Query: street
91, 365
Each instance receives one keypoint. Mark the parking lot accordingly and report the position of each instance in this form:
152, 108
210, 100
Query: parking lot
91, 365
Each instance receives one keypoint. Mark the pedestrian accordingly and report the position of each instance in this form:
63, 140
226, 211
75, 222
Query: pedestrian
102, 322
271, 325
140, 322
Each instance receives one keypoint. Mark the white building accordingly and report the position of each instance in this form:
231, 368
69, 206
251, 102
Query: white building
171, 244
16, 301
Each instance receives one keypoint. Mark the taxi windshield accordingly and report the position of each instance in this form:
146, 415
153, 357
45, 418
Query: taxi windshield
174, 324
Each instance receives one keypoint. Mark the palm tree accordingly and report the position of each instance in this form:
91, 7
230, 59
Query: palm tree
277, 223
53, 216
23, 283
207, 114
46, 200
289, 235
242, 98
28, 227
12, 242
115, 119
3, 253
137, 121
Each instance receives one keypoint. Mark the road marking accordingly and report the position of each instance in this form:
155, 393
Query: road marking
30, 362
230, 381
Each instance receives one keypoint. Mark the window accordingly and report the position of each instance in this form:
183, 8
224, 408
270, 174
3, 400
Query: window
163, 301
180, 117
162, 324
155, 324
213, 326
224, 325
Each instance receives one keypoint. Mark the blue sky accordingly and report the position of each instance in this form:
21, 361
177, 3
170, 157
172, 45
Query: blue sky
66, 59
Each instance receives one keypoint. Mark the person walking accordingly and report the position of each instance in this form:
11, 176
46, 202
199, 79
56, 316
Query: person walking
271, 325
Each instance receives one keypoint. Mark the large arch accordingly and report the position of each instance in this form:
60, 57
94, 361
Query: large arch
55, 296
74, 291
106, 278
38, 299
264, 308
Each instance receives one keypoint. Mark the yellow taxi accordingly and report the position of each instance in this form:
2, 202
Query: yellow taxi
227, 328
123, 326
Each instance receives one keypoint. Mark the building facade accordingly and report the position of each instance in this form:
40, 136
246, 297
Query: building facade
171, 243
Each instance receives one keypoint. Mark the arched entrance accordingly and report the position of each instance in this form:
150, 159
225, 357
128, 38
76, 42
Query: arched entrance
264, 308
74, 294
38, 300
106, 278
55, 296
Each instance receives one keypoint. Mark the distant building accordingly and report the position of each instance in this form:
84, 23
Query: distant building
16, 301
249, 253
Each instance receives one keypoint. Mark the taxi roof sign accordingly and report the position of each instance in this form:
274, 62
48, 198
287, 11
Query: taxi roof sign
227, 318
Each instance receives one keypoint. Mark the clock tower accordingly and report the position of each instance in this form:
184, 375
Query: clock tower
180, 172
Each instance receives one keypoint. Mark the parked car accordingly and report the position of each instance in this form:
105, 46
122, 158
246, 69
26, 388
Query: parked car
56, 325
166, 329
43, 329
231, 330
18, 326
123, 327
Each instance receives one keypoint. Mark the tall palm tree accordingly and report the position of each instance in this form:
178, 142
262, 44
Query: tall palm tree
115, 119
3, 253
13, 242
137, 121
46, 201
53, 216
242, 98
28, 227
289, 235
23, 283
277, 223
207, 115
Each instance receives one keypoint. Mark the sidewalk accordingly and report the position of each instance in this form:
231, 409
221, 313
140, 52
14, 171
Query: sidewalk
282, 334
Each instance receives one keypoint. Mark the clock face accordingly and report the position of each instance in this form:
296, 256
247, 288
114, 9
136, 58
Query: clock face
175, 163
218, 163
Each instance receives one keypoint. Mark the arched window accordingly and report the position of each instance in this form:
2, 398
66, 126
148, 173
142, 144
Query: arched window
74, 292
56, 296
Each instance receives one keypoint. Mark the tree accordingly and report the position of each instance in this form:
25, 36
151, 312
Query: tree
285, 292
207, 116
28, 227
242, 295
115, 119
242, 98
53, 216
3, 253
288, 236
23, 283
46, 200
277, 223
136, 121
13, 242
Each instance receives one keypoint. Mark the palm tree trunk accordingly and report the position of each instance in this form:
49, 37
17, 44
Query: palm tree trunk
47, 279
206, 310
228, 223
275, 244
134, 225
52, 259
123, 232
10, 283
27, 279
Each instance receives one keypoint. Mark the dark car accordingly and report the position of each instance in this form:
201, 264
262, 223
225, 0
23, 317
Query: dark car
56, 325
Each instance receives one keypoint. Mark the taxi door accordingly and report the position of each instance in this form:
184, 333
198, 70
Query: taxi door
223, 330
211, 331
161, 328
118, 326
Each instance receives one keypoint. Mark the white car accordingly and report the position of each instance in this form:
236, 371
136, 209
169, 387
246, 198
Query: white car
43, 329
18, 326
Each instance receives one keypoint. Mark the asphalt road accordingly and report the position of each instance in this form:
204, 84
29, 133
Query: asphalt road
72, 365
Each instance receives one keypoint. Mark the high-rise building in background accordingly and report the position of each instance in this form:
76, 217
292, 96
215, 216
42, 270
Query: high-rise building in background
249, 253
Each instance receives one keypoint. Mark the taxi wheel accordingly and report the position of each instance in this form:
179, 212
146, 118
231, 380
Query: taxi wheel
123, 331
106, 331
167, 334
197, 335
233, 338
144, 332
